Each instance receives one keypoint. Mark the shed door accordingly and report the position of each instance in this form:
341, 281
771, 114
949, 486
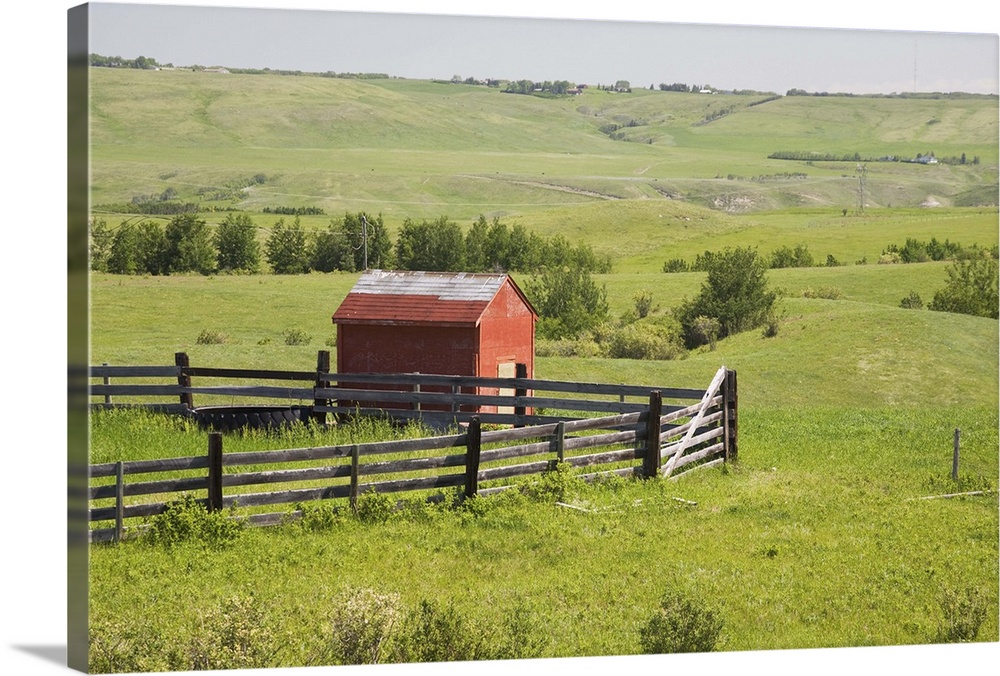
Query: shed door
506, 369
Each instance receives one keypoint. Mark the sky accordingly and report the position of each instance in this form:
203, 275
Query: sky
434, 44
33, 176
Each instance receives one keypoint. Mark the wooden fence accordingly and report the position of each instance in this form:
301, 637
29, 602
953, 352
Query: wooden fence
645, 438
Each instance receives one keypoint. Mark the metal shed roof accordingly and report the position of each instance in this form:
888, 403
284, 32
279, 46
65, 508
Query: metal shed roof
444, 298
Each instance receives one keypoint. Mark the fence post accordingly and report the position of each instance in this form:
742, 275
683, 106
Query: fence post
107, 381
954, 455
520, 371
214, 472
730, 405
354, 478
183, 379
473, 444
560, 440
651, 461
119, 500
415, 405
322, 369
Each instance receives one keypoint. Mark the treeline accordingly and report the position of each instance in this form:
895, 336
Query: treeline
921, 158
554, 88
141, 62
895, 95
917, 251
187, 244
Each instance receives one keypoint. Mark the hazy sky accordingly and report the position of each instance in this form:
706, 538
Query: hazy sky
583, 47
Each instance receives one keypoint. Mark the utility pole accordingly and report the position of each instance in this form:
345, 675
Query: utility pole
862, 172
364, 238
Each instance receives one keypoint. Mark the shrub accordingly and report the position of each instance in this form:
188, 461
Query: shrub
554, 485
643, 302
971, 289
641, 341
827, 292
187, 520
964, 612
680, 625
912, 302
318, 516
362, 625
208, 337
232, 636
676, 265
374, 507
296, 337
438, 633
237, 245
735, 293
705, 330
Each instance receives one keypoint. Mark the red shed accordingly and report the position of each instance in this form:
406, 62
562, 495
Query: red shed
436, 323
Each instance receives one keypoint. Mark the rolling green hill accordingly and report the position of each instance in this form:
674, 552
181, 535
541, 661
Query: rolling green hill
420, 149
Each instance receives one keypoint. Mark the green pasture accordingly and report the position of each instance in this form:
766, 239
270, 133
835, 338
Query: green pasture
421, 149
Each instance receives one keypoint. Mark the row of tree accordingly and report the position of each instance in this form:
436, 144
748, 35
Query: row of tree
187, 244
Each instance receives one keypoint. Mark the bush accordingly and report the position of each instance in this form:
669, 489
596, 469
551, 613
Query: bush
676, 265
680, 625
554, 485
296, 337
971, 289
643, 302
232, 636
735, 293
207, 337
705, 330
827, 292
187, 520
374, 507
568, 301
912, 302
964, 612
438, 633
362, 626
641, 341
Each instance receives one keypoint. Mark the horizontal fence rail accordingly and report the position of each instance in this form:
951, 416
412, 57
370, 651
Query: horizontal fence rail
645, 438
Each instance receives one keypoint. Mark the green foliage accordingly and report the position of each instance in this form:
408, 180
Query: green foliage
285, 249
555, 485
826, 292
296, 337
319, 516
438, 632
735, 293
682, 624
676, 265
964, 610
912, 301
235, 635
374, 507
437, 246
189, 245
787, 257
101, 239
237, 245
568, 302
971, 289
362, 626
643, 301
331, 250
209, 337
640, 340
705, 330
188, 520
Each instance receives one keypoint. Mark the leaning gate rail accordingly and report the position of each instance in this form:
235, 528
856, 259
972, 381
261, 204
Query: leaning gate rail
641, 438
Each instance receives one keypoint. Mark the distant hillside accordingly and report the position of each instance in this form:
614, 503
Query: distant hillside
420, 149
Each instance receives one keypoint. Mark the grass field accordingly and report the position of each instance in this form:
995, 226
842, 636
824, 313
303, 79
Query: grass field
814, 538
